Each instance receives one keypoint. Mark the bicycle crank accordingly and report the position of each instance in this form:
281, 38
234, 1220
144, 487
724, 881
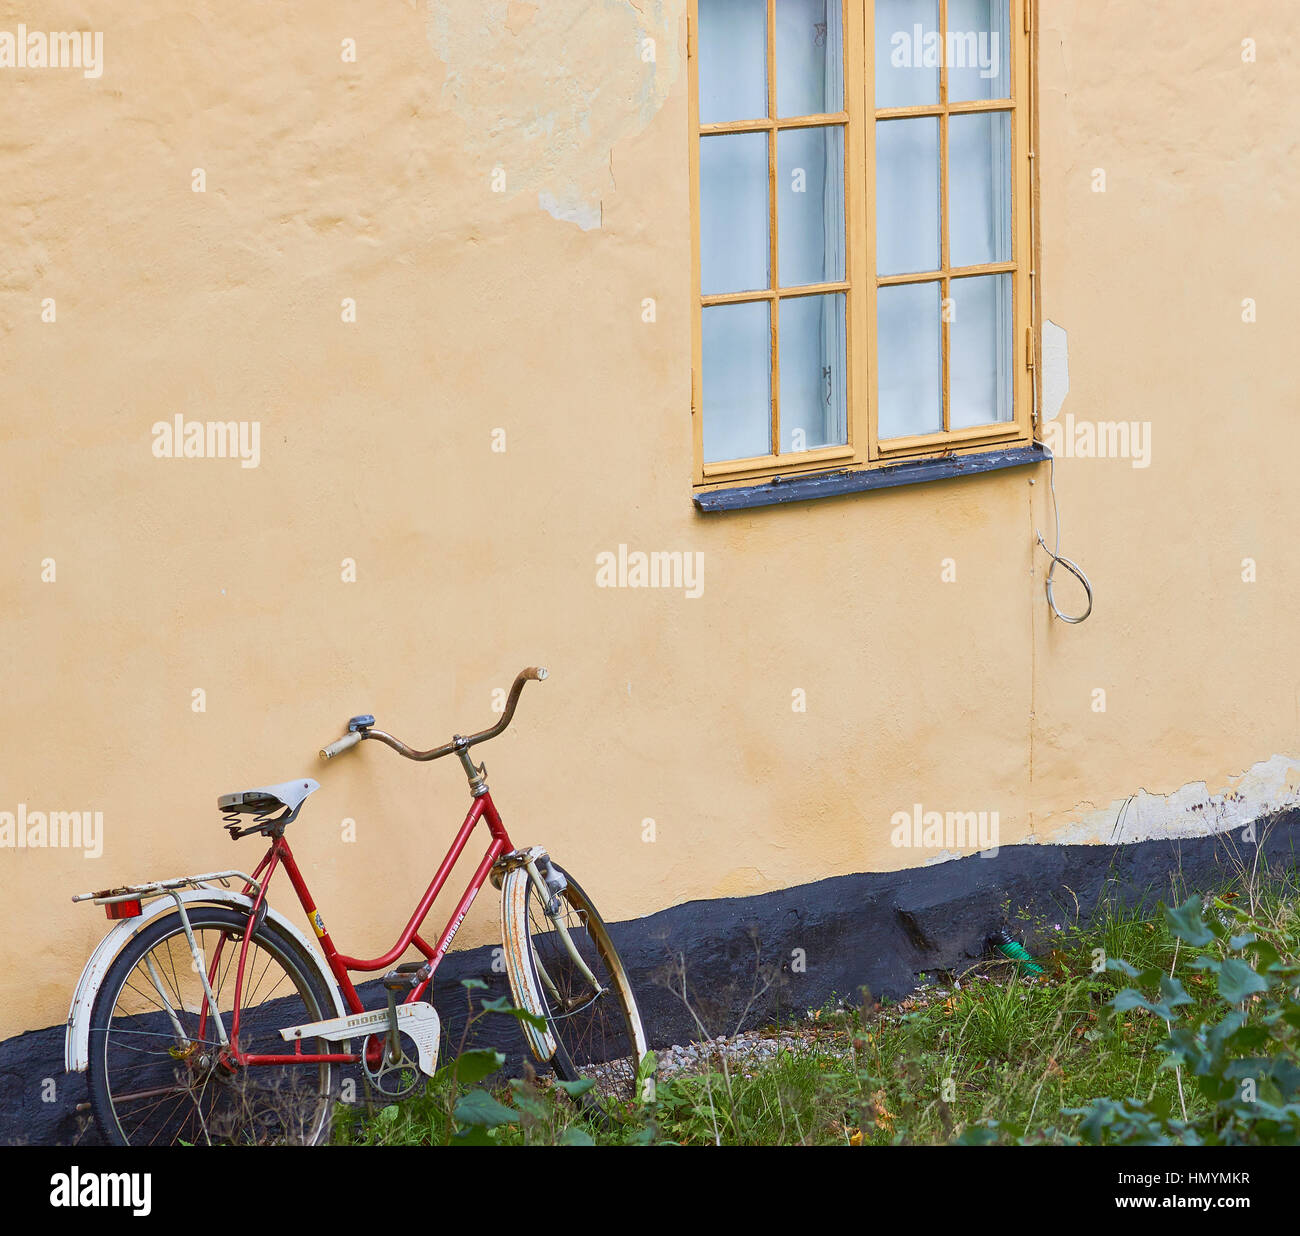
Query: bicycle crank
393, 1078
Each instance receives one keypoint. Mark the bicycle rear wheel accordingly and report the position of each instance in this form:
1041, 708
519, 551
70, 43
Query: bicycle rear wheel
567, 971
158, 1075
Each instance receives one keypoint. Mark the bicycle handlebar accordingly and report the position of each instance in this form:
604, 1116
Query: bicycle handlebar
534, 673
340, 745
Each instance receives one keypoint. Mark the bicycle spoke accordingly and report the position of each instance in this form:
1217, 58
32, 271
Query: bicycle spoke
165, 1084
583, 993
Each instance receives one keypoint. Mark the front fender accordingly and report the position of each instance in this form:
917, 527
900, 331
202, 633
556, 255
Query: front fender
76, 1043
523, 984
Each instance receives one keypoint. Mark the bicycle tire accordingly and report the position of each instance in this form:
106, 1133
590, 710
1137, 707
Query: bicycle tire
592, 1038
310, 1001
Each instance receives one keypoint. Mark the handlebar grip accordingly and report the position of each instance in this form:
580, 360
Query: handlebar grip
340, 745
536, 673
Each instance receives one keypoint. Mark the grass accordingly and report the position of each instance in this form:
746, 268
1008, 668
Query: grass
990, 1054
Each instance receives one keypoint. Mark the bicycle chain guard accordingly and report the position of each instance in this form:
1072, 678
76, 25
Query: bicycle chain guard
418, 1021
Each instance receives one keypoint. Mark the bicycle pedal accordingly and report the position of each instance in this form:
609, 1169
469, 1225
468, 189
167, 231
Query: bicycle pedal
409, 974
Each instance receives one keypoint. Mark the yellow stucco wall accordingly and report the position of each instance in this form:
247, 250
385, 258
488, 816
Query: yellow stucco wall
522, 310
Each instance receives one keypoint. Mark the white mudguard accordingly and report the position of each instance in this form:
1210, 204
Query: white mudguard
76, 1048
523, 986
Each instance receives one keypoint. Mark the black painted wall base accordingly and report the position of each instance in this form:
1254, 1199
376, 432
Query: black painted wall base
749, 960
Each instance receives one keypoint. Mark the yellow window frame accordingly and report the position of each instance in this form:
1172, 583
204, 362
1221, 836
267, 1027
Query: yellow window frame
864, 448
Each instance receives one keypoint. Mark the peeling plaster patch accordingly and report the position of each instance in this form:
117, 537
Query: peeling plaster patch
550, 106
1191, 811
1270, 786
585, 214
948, 856
1056, 369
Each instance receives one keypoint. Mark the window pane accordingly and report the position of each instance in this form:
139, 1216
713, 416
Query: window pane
981, 351
909, 365
907, 196
737, 381
732, 60
979, 50
810, 205
903, 77
979, 188
809, 57
733, 213
814, 372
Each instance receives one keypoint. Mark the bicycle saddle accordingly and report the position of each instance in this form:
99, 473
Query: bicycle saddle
263, 802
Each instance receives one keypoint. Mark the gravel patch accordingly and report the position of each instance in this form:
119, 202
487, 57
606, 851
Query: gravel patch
741, 1052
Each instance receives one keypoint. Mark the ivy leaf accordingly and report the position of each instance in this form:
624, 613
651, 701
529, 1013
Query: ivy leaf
473, 1066
502, 1005
1219, 1036
575, 1136
1266, 957
1185, 1047
527, 1100
480, 1109
1237, 980
1131, 998
575, 1089
1291, 1015
1286, 1076
473, 984
1188, 925
1252, 1038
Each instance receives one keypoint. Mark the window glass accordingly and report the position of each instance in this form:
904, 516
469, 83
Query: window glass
732, 60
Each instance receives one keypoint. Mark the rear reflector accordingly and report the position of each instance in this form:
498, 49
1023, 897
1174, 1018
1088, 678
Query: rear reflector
122, 909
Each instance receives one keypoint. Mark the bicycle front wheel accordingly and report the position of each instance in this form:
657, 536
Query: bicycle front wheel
566, 970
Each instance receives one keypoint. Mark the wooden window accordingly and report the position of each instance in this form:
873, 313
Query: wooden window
861, 186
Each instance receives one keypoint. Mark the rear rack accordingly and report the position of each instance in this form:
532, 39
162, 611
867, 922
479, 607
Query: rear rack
170, 888
162, 888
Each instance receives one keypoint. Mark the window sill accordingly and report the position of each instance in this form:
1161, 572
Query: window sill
839, 483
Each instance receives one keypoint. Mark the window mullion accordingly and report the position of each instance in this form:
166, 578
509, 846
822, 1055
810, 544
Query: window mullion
945, 253
774, 273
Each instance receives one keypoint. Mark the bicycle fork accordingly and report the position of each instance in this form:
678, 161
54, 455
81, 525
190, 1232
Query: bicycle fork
549, 887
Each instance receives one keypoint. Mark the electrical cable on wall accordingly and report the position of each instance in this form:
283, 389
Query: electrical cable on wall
1057, 560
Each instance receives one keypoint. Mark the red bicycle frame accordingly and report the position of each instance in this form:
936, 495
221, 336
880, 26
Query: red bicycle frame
280, 855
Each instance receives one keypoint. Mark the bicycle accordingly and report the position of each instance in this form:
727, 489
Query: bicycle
176, 1053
